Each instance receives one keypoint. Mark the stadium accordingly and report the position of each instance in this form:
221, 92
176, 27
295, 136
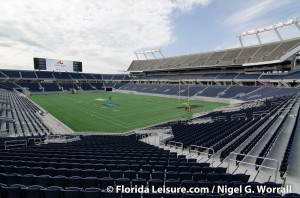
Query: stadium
220, 123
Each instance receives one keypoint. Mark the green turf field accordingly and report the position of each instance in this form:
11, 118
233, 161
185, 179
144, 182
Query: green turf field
86, 111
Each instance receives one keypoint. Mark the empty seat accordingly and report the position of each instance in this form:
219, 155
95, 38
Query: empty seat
74, 181
91, 193
172, 183
52, 191
12, 192
42, 180
27, 180
144, 174
72, 193
171, 175
130, 174
102, 173
116, 174
155, 183
158, 175
90, 182
33, 191
106, 181
58, 181
138, 182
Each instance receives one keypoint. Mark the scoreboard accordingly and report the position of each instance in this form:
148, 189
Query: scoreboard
57, 65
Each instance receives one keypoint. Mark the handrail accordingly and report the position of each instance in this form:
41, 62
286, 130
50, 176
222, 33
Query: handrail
239, 115
208, 149
22, 143
220, 118
174, 144
35, 140
260, 113
257, 166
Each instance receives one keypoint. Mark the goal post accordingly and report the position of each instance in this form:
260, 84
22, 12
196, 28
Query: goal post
181, 101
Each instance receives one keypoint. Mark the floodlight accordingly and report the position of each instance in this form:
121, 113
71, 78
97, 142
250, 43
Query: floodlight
279, 25
260, 29
289, 21
270, 27
251, 32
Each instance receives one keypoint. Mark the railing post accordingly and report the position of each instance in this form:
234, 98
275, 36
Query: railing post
208, 148
259, 166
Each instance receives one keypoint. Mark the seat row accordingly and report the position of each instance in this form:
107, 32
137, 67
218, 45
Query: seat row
137, 166
46, 180
98, 160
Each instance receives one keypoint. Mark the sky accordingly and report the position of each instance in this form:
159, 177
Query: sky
105, 34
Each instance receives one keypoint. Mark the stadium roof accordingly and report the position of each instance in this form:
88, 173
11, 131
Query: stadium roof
269, 53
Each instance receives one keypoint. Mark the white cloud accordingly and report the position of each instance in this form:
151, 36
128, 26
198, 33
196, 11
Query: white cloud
255, 11
102, 34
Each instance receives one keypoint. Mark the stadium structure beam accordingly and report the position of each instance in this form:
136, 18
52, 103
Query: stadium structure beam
241, 41
298, 26
258, 38
278, 34
149, 52
274, 28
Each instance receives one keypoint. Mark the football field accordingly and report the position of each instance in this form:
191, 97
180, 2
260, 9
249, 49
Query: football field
94, 112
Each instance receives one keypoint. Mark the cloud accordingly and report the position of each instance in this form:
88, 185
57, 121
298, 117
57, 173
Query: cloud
255, 14
101, 34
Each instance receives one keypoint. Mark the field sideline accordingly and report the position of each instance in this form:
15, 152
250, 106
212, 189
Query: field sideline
125, 112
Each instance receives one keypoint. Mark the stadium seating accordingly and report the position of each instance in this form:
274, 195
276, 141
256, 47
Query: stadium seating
32, 87
28, 75
77, 76
237, 56
68, 164
50, 87
86, 86
8, 86
290, 148
11, 73
69, 86
44, 75
62, 75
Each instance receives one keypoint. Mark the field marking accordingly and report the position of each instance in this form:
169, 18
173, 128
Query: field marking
145, 103
157, 119
99, 116
136, 123
126, 125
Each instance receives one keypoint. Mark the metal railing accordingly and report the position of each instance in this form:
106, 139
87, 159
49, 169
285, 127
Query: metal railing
257, 167
176, 145
237, 116
260, 114
210, 155
35, 141
219, 118
17, 143
61, 138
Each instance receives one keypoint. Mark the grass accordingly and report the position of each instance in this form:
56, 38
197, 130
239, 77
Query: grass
83, 112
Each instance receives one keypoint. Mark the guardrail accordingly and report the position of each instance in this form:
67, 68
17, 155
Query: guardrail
18, 143
176, 145
35, 141
61, 138
203, 147
260, 114
237, 116
255, 165
218, 118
